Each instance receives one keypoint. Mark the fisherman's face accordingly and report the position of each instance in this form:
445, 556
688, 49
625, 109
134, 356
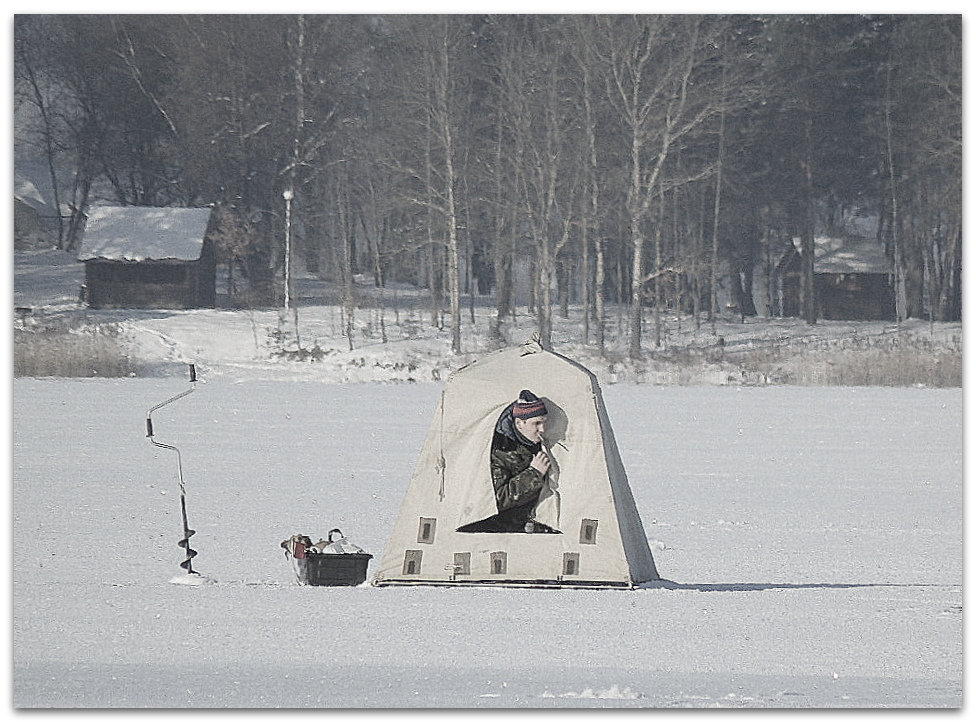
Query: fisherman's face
533, 429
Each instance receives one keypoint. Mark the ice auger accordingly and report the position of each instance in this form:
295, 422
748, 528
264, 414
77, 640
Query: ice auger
183, 543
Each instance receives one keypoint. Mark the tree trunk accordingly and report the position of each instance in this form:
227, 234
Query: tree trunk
808, 302
585, 273
599, 306
565, 277
345, 232
432, 266
895, 240
501, 252
453, 265
637, 247
716, 214
658, 279
443, 118
545, 302
49, 152
298, 73
591, 218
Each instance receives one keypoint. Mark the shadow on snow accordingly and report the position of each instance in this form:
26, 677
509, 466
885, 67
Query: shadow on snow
763, 587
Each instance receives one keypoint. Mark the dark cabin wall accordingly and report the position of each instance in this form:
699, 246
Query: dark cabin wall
839, 296
149, 284
855, 296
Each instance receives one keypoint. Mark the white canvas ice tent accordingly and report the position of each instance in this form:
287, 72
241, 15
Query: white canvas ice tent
601, 541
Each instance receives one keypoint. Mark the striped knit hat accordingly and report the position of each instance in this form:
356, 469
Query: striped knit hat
528, 406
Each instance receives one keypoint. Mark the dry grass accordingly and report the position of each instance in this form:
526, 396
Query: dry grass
883, 361
58, 349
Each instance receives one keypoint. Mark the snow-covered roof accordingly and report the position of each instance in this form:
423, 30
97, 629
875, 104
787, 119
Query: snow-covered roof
32, 186
139, 233
848, 255
26, 192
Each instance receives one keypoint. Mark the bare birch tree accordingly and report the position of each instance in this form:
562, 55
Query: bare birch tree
652, 62
549, 173
436, 115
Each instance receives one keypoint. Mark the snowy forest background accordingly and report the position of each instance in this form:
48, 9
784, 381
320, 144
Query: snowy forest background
650, 161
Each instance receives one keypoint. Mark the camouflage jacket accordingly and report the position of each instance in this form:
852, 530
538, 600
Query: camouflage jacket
516, 483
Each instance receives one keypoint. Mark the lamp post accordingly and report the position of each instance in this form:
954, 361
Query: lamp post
288, 195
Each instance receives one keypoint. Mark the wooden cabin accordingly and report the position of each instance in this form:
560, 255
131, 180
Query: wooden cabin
142, 257
853, 280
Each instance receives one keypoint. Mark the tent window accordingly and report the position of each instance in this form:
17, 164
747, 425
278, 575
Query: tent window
425, 535
588, 531
462, 562
499, 562
570, 563
411, 561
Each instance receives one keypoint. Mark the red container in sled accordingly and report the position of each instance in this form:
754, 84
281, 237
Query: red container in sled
336, 563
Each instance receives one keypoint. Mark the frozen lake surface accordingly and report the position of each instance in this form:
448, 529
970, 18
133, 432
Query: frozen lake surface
810, 539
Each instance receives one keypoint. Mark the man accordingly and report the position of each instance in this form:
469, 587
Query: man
519, 467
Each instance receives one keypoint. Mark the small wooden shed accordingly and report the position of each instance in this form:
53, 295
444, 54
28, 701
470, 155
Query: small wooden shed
853, 280
142, 257
29, 212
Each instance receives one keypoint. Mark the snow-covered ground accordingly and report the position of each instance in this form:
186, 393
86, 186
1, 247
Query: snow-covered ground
811, 539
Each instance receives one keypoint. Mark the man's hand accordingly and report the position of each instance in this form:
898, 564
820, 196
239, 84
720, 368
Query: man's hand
541, 462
